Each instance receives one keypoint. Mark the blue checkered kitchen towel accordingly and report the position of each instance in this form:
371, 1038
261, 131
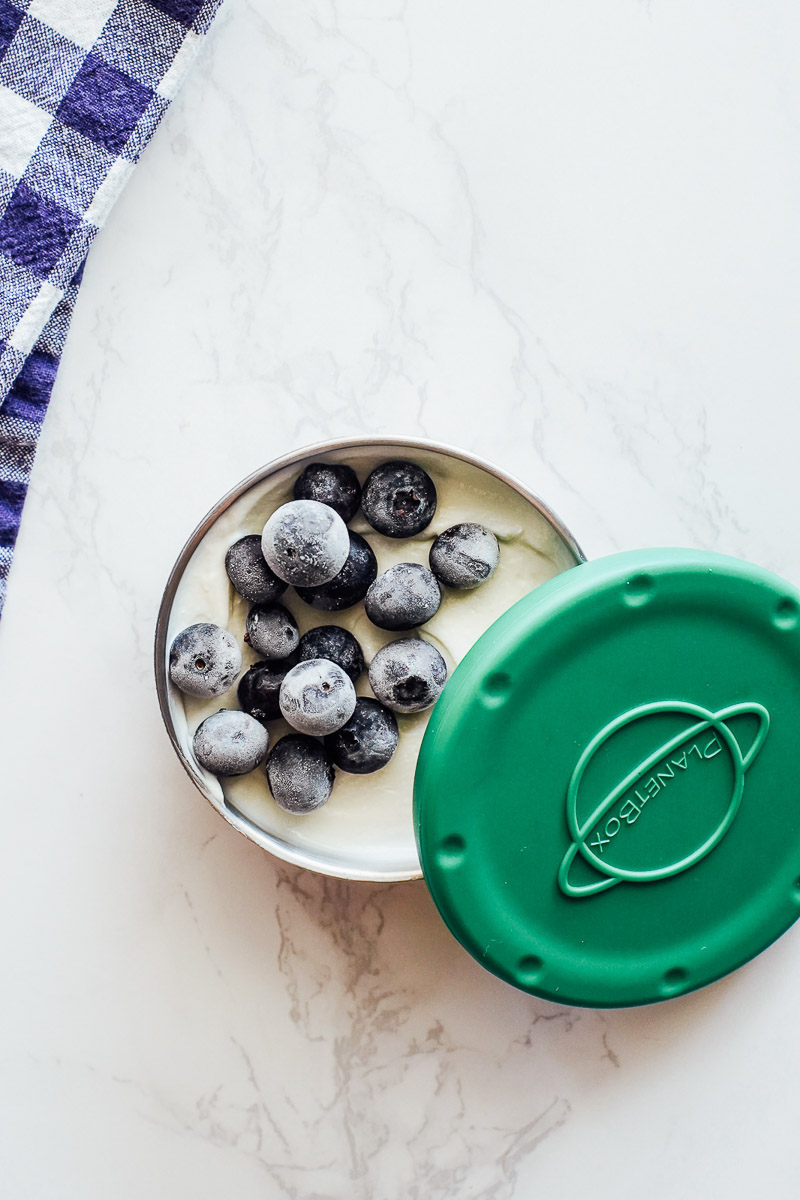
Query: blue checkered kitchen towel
83, 84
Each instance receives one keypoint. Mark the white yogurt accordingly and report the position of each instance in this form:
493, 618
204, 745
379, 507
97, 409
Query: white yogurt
365, 830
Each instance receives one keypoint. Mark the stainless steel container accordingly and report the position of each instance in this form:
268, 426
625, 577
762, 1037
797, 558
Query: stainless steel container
289, 841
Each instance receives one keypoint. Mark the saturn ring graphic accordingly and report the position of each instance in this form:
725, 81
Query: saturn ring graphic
655, 791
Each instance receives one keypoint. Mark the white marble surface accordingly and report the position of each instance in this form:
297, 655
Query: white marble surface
564, 235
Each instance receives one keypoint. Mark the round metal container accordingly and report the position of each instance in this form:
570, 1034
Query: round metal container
284, 847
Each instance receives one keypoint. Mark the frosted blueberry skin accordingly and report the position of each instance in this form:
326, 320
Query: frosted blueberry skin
464, 556
408, 675
204, 660
249, 573
317, 697
368, 740
331, 484
230, 742
399, 499
305, 543
272, 630
403, 597
350, 586
337, 645
260, 687
300, 774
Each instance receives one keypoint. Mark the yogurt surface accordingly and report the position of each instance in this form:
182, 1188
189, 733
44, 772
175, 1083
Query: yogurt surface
365, 830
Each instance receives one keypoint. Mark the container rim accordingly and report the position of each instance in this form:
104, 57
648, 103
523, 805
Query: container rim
267, 841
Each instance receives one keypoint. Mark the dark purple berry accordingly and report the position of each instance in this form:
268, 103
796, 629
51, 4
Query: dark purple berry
464, 556
399, 499
230, 743
305, 543
317, 697
337, 645
300, 774
249, 573
260, 687
331, 484
405, 596
272, 630
367, 741
408, 675
350, 585
204, 660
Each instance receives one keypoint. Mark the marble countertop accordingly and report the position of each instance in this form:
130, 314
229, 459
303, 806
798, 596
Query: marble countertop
563, 236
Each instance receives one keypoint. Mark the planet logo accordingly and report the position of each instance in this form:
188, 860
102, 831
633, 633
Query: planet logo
683, 781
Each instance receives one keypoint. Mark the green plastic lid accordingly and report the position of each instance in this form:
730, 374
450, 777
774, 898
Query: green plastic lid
607, 801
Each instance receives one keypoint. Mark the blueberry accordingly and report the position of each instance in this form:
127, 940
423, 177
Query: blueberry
334, 485
305, 543
464, 556
337, 645
259, 689
230, 743
317, 697
299, 774
272, 630
367, 741
408, 675
399, 499
405, 596
204, 660
249, 573
350, 585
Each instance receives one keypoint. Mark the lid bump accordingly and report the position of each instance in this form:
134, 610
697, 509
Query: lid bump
496, 689
786, 614
529, 969
451, 852
638, 591
675, 980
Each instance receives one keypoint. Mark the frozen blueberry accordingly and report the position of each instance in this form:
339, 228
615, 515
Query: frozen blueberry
249, 573
405, 596
350, 585
367, 741
299, 774
204, 660
260, 686
337, 645
399, 499
272, 630
408, 675
464, 556
230, 743
334, 485
305, 543
317, 697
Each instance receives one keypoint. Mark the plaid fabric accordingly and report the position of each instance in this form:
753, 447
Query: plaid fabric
83, 84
